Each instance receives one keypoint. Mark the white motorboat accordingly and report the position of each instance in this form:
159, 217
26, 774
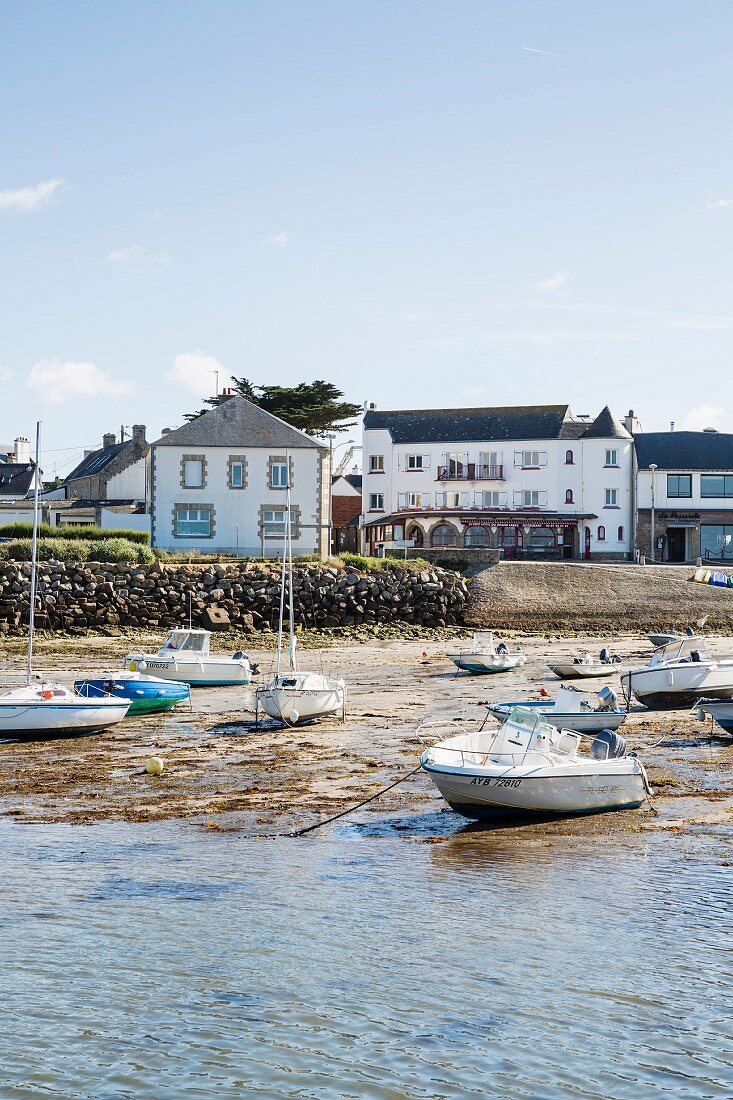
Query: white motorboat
296, 696
680, 673
585, 666
186, 656
531, 768
570, 710
486, 657
46, 709
719, 710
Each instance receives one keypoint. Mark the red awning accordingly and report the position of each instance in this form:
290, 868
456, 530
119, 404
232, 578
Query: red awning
550, 522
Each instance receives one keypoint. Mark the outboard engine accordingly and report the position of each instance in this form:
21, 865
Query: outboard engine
608, 745
605, 656
607, 698
689, 632
502, 648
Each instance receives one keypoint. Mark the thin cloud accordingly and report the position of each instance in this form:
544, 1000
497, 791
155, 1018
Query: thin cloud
718, 204
705, 416
279, 241
25, 200
548, 53
194, 370
555, 282
56, 381
138, 259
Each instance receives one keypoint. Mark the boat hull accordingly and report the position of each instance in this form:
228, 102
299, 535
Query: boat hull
580, 672
482, 665
592, 721
485, 795
295, 705
721, 713
54, 719
207, 672
672, 688
145, 696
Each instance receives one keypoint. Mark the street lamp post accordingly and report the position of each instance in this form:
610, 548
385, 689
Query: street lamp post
653, 468
331, 449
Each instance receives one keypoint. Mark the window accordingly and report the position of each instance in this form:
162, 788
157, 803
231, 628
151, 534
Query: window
193, 473
376, 502
490, 458
414, 500
273, 523
531, 459
414, 462
376, 464
278, 474
612, 458
491, 498
444, 535
530, 498
679, 485
716, 485
476, 536
454, 465
416, 535
611, 498
716, 542
620, 534
237, 475
601, 534
193, 523
568, 496
569, 460
541, 538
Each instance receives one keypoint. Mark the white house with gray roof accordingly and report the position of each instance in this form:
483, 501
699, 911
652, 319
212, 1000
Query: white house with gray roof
218, 484
531, 481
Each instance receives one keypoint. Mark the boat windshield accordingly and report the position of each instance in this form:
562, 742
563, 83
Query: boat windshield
196, 641
693, 649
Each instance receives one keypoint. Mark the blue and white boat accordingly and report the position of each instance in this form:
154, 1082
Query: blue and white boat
720, 710
570, 710
146, 694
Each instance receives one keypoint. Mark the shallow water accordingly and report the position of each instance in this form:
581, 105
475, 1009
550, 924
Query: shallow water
163, 960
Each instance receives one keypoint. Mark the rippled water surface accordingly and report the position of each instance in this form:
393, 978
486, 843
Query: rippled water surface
147, 961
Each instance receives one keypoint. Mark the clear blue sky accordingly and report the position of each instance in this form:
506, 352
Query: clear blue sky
403, 198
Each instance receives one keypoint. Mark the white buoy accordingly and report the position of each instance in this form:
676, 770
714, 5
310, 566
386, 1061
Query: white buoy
154, 765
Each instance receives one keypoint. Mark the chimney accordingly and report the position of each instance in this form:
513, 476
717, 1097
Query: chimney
108, 440
166, 431
225, 394
138, 433
22, 451
671, 425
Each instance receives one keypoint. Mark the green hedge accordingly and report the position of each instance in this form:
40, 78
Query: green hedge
114, 551
84, 531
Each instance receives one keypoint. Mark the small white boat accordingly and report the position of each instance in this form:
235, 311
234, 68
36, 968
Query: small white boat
42, 709
295, 697
720, 711
570, 710
680, 673
585, 666
50, 709
486, 657
186, 656
531, 768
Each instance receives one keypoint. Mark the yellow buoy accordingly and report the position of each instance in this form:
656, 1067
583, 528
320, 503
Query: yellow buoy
154, 765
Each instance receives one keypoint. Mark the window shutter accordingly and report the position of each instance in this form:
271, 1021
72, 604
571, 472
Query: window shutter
400, 462
464, 500
543, 458
426, 462
518, 458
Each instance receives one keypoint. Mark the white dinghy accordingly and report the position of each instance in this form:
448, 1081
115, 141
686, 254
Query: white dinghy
531, 768
571, 709
296, 696
43, 709
186, 657
485, 657
680, 673
585, 666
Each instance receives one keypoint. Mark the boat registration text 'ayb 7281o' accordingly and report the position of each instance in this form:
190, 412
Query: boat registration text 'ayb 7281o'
489, 781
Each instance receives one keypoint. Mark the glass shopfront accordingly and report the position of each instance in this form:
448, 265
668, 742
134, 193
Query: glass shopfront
716, 542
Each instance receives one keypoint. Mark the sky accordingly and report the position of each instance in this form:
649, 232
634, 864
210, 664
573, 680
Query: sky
430, 204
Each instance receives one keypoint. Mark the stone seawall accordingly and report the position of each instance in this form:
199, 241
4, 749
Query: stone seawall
93, 595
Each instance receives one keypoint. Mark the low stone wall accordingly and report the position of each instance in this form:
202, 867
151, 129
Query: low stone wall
460, 556
92, 595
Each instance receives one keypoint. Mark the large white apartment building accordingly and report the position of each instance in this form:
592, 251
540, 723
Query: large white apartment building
531, 481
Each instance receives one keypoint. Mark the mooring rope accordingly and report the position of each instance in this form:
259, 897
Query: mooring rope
352, 809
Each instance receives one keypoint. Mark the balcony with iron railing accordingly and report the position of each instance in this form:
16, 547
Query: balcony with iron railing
470, 471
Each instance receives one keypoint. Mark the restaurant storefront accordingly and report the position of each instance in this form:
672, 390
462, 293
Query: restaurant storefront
515, 536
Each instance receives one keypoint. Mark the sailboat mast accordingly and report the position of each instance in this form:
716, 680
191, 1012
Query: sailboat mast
282, 601
34, 556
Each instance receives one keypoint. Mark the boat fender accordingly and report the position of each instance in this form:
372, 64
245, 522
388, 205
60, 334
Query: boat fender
142, 665
47, 694
670, 678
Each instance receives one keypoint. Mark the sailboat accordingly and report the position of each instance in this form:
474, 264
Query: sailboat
47, 709
296, 696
